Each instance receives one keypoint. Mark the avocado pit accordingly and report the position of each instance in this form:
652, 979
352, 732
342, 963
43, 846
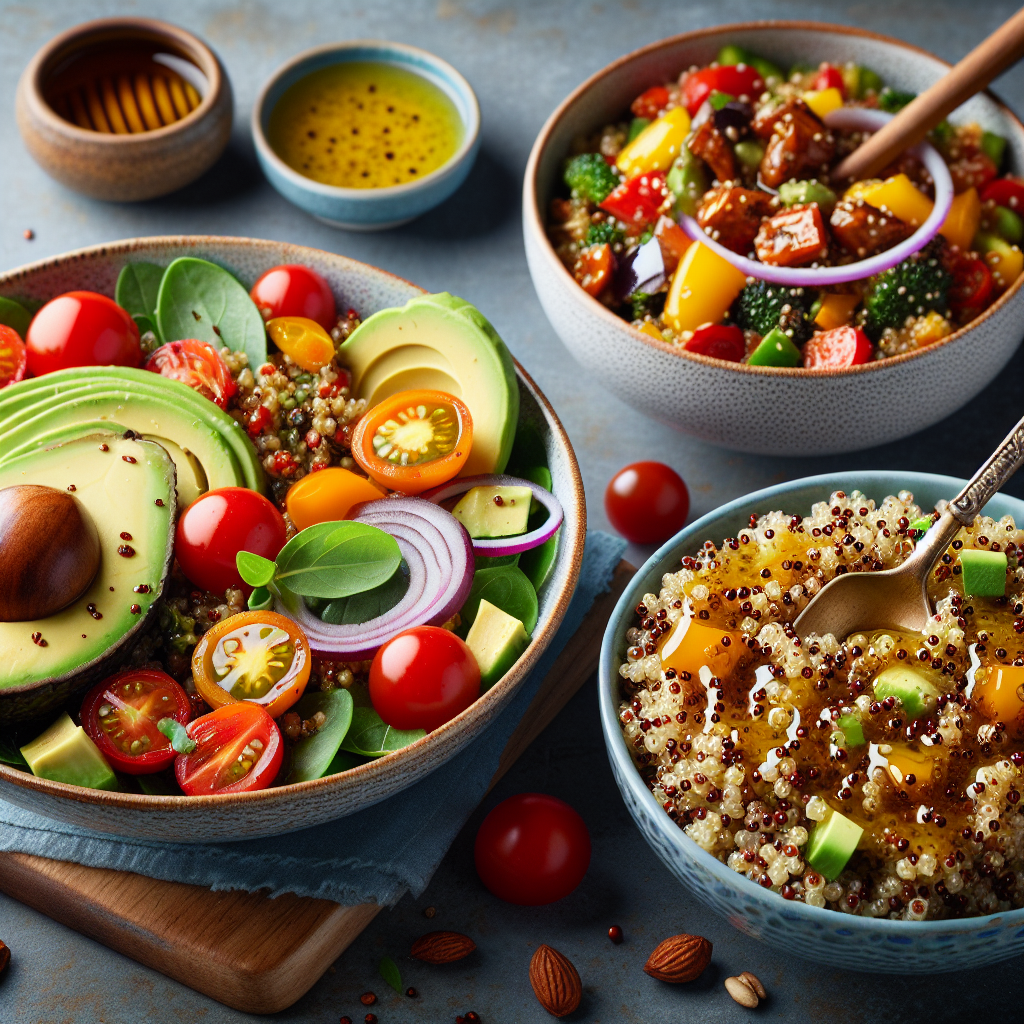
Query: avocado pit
49, 551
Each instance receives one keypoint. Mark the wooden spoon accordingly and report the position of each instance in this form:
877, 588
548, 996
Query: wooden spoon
986, 61
898, 597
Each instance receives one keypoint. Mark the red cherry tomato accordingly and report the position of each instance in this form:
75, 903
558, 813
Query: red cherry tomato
972, 287
120, 715
1005, 192
238, 750
842, 346
638, 201
829, 77
422, 678
13, 356
532, 849
81, 329
737, 80
720, 341
219, 524
197, 364
647, 502
295, 290
650, 103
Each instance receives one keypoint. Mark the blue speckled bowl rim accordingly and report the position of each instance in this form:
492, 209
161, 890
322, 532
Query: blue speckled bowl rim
725, 521
435, 70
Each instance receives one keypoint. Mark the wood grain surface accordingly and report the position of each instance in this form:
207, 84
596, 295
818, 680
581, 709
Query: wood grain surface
245, 949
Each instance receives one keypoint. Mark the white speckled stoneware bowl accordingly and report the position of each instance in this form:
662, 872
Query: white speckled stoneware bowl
856, 943
768, 410
286, 808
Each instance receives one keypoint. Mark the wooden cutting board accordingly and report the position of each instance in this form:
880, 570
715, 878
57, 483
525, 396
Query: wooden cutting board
244, 949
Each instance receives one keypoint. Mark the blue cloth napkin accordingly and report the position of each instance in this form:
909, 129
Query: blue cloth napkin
376, 855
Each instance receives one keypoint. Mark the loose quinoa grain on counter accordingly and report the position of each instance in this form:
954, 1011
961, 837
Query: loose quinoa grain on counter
877, 774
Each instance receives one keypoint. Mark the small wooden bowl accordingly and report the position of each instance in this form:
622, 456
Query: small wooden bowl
116, 163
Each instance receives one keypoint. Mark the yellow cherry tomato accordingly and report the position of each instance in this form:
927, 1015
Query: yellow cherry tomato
327, 495
690, 646
260, 657
303, 340
1000, 697
656, 146
705, 285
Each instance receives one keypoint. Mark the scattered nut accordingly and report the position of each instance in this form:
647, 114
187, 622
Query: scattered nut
556, 983
753, 981
368, 998
430, 912
680, 958
441, 947
742, 992
5, 958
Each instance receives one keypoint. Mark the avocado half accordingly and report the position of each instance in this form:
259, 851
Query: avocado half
127, 487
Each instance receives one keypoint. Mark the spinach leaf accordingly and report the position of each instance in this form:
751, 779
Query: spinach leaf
538, 562
313, 755
506, 587
144, 324
260, 600
372, 737
390, 973
14, 314
137, 288
256, 570
370, 603
490, 561
343, 761
200, 300
10, 754
336, 560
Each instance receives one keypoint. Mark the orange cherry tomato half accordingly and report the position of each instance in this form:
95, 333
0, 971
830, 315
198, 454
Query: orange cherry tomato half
238, 749
257, 657
327, 496
13, 356
120, 716
414, 440
303, 340
197, 364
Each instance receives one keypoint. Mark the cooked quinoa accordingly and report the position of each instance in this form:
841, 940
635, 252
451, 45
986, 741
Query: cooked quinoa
744, 751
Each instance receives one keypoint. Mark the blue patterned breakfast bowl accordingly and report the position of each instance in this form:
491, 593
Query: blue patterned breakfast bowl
369, 209
851, 941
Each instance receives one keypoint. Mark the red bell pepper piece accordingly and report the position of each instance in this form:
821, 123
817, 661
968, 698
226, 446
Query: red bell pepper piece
639, 200
1007, 192
737, 80
650, 103
720, 341
838, 348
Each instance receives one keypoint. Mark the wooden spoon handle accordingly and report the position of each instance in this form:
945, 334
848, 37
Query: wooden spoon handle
986, 61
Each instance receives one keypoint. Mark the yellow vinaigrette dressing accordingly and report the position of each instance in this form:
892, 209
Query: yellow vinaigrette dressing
364, 125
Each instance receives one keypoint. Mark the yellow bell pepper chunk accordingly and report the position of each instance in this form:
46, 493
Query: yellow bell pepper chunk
824, 101
836, 310
656, 146
649, 329
1006, 265
906, 764
961, 225
897, 194
1000, 696
690, 645
704, 287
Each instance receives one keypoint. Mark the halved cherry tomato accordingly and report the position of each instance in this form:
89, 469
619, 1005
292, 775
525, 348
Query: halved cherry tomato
829, 77
120, 715
303, 340
739, 80
972, 287
720, 341
197, 364
842, 346
650, 103
13, 356
327, 496
647, 502
639, 200
81, 329
1007, 192
414, 440
238, 749
294, 290
260, 657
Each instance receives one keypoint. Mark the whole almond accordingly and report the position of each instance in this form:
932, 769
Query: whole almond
742, 992
754, 982
5, 957
555, 981
680, 958
442, 947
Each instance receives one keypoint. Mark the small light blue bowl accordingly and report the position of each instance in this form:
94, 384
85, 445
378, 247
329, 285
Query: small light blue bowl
370, 209
855, 943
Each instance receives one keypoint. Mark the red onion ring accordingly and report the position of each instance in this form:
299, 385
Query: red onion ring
439, 554
848, 117
495, 546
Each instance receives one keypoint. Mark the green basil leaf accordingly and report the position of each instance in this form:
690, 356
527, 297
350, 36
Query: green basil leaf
200, 300
260, 600
390, 973
177, 734
256, 570
506, 587
313, 755
336, 560
137, 288
13, 314
367, 605
10, 754
370, 736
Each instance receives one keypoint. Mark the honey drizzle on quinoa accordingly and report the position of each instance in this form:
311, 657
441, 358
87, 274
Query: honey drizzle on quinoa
747, 763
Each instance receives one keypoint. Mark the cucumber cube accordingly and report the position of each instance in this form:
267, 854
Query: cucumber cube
984, 572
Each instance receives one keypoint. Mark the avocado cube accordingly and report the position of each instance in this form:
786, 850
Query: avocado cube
64, 753
494, 511
496, 640
831, 844
984, 572
916, 692
852, 730
776, 349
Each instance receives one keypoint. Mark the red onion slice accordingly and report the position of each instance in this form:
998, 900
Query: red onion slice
815, 277
439, 554
496, 546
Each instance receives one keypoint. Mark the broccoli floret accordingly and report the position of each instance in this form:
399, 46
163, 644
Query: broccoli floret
762, 306
590, 177
893, 100
606, 231
644, 303
914, 287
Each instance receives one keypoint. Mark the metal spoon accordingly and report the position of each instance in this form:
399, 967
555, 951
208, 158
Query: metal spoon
898, 598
